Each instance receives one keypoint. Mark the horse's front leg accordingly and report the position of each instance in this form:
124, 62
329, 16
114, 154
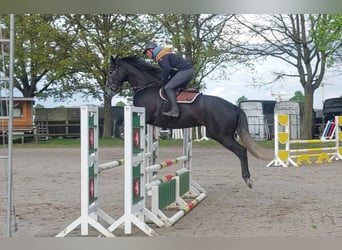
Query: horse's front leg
150, 118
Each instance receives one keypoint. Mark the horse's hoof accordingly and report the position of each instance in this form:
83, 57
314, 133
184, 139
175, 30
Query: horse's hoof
249, 182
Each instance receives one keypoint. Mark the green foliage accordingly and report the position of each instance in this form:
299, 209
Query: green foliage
120, 104
75, 142
328, 30
309, 43
97, 38
240, 99
39, 106
100, 36
326, 34
61, 55
298, 96
199, 38
43, 54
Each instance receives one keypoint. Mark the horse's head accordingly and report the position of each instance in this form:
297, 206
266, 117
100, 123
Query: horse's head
131, 69
116, 77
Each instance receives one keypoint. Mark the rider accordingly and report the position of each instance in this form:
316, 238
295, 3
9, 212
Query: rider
177, 72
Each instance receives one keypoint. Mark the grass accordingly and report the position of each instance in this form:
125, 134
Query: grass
75, 142
65, 142
309, 145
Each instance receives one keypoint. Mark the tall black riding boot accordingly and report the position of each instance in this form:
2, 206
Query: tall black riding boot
174, 110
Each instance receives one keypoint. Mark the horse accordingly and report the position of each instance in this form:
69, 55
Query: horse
223, 120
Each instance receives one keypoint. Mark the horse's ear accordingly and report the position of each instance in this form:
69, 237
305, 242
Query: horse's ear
113, 59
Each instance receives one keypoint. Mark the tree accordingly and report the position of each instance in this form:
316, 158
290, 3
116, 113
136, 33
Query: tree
43, 57
200, 39
120, 104
99, 37
39, 106
60, 55
306, 43
240, 99
298, 96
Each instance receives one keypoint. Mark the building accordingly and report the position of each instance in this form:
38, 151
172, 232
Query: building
22, 114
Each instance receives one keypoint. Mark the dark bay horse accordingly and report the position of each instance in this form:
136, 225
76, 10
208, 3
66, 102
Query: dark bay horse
222, 119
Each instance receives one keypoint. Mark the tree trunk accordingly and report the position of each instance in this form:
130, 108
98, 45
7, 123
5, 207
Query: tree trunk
308, 114
107, 115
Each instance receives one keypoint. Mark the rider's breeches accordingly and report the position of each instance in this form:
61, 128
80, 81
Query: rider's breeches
181, 79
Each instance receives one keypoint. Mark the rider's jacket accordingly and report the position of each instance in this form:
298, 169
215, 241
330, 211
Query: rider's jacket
169, 62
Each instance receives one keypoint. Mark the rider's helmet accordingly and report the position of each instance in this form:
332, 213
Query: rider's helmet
149, 45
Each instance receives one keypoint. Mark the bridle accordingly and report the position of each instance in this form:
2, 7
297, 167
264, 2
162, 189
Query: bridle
110, 90
116, 80
115, 70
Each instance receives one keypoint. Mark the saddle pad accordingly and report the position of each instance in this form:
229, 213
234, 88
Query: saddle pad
184, 96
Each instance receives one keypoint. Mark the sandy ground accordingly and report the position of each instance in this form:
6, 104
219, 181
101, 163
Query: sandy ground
294, 201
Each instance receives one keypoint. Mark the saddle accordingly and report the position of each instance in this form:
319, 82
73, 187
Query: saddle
182, 95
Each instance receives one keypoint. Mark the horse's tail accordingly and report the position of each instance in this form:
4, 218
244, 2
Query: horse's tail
247, 140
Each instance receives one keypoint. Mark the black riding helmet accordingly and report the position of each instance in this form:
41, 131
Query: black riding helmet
149, 45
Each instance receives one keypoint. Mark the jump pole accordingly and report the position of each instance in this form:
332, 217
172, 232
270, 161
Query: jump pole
90, 211
170, 190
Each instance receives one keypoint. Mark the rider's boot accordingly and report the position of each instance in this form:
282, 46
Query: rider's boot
174, 110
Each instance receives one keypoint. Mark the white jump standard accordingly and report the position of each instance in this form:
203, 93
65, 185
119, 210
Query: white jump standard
135, 178
140, 178
284, 157
90, 211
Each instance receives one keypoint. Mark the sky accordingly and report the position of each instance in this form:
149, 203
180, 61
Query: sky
240, 84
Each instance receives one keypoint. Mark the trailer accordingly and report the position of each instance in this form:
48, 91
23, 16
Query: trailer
260, 118
295, 111
332, 107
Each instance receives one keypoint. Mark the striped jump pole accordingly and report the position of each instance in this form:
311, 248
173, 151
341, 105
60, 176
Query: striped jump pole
329, 130
110, 165
186, 209
170, 190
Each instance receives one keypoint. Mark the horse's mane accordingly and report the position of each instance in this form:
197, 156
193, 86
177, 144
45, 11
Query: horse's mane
142, 65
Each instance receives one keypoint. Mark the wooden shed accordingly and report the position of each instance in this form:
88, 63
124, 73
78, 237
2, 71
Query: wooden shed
22, 114
65, 121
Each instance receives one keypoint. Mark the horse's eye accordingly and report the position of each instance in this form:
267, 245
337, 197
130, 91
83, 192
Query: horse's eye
110, 72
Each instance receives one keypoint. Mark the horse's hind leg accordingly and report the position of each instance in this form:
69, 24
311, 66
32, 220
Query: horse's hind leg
241, 152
